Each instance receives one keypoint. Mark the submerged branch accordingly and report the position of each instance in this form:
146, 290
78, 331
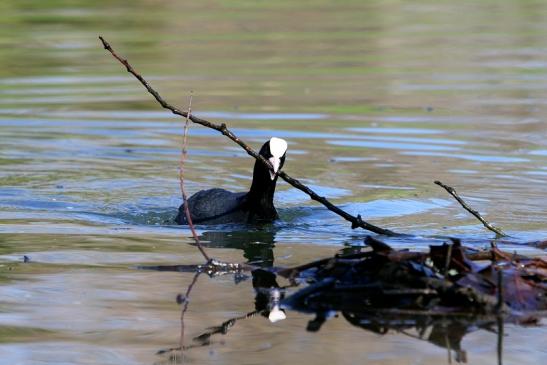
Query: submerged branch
186, 301
183, 299
223, 328
355, 221
477, 215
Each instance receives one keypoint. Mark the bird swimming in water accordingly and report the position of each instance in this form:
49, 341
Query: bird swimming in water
218, 206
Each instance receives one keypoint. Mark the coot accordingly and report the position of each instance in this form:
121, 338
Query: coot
217, 206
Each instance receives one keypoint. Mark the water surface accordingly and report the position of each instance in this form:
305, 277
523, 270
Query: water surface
376, 99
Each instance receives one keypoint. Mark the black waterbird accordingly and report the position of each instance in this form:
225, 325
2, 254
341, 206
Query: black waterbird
219, 206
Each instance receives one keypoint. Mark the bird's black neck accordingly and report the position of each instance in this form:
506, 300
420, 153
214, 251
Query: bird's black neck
260, 196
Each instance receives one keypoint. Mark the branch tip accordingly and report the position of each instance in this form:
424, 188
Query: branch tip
475, 213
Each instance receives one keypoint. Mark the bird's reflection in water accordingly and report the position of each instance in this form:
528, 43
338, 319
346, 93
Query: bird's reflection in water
257, 244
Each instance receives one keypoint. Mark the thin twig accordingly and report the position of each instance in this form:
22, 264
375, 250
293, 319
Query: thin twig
477, 215
448, 259
500, 340
355, 221
499, 306
183, 155
448, 349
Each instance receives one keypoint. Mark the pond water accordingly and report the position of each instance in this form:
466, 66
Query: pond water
376, 99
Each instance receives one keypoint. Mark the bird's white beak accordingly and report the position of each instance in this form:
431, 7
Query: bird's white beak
275, 161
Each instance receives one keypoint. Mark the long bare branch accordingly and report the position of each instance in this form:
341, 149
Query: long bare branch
355, 221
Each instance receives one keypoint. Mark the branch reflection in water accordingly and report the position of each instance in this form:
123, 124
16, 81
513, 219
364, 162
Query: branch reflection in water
442, 330
438, 296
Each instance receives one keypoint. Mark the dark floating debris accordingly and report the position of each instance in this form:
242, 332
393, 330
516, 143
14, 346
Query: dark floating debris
438, 296
444, 281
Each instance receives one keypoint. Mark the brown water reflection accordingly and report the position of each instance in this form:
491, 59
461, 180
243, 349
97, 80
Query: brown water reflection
377, 99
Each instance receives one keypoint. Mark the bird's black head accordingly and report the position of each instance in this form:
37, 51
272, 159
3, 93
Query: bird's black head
260, 197
274, 151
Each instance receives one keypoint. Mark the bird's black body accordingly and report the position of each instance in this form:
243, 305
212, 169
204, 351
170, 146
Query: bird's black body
219, 206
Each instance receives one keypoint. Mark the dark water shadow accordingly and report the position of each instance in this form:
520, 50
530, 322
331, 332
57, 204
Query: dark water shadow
257, 244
